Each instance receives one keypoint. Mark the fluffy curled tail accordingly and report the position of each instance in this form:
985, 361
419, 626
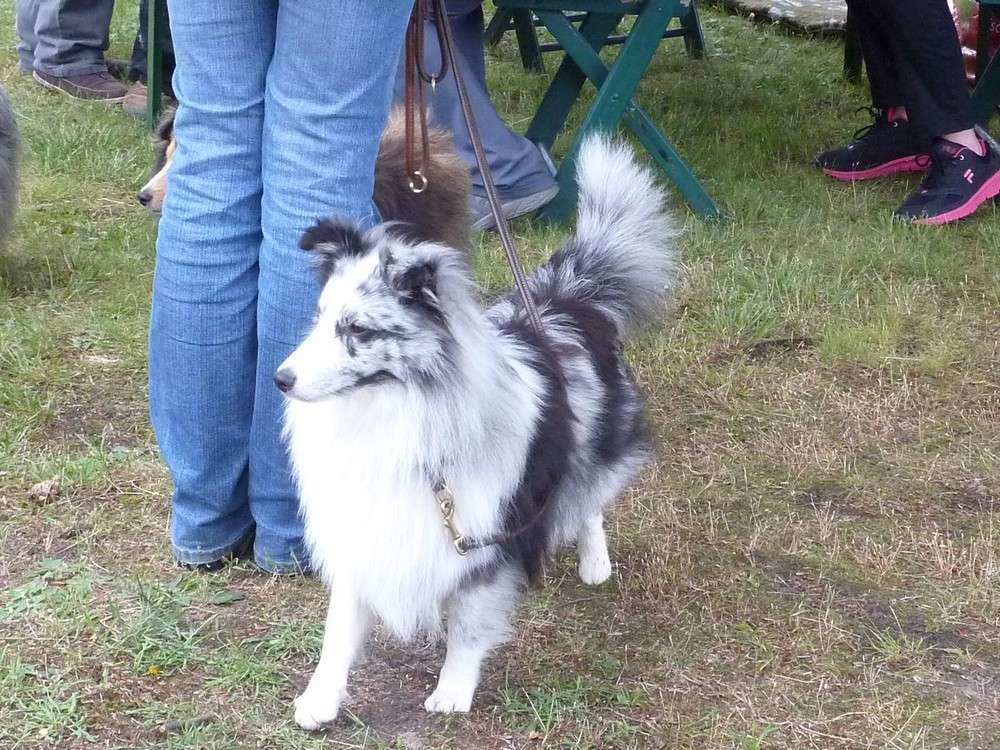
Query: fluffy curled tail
625, 248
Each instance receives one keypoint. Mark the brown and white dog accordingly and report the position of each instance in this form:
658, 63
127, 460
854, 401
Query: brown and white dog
439, 213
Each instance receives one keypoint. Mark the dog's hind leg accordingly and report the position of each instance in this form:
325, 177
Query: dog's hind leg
348, 622
592, 551
478, 621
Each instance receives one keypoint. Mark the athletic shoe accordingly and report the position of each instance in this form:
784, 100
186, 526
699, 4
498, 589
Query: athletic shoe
959, 182
879, 149
482, 216
92, 86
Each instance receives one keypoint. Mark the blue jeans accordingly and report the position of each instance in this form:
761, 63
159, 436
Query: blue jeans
281, 109
63, 37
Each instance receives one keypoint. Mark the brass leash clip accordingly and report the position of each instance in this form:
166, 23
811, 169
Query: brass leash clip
446, 503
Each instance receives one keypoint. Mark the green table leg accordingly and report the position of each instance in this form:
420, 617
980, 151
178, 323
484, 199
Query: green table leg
568, 80
983, 41
694, 37
986, 95
853, 55
498, 26
527, 41
676, 169
156, 21
634, 117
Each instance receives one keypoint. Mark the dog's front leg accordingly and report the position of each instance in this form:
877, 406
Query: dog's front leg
347, 624
478, 621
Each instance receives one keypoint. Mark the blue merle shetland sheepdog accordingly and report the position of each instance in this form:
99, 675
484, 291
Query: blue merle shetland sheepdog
408, 395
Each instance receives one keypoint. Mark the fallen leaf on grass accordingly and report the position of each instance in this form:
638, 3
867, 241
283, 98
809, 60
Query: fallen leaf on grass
228, 596
46, 491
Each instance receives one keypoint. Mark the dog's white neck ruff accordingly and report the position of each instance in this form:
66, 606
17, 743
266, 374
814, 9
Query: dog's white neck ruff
364, 463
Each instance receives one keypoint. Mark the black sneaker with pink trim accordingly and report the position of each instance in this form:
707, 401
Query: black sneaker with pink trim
959, 181
883, 148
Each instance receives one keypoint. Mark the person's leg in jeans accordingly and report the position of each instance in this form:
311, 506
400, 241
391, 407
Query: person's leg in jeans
523, 176
27, 40
203, 327
70, 37
325, 114
232, 294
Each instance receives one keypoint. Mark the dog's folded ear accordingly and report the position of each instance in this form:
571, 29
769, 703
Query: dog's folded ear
331, 240
415, 279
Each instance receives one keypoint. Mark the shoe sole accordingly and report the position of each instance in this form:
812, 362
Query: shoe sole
64, 92
516, 208
990, 189
904, 164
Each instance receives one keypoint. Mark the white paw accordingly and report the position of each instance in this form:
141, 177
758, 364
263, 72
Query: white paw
445, 701
595, 567
314, 708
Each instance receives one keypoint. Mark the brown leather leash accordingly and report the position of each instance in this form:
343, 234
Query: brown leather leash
413, 98
416, 77
414, 105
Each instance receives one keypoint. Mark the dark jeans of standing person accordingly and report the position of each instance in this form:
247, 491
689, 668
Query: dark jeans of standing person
922, 114
523, 173
61, 43
135, 100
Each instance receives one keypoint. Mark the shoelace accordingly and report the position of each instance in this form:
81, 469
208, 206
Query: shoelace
878, 117
938, 169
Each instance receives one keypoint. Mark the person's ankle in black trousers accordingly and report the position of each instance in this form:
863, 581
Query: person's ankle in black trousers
921, 110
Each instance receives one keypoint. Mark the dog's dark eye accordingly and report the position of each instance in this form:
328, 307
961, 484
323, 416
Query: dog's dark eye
359, 332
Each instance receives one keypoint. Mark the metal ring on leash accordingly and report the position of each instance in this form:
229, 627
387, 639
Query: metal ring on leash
421, 186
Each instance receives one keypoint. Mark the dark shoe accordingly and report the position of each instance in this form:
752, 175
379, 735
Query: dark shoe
479, 206
959, 182
92, 86
482, 216
134, 102
118, 68
879, 149
242, 551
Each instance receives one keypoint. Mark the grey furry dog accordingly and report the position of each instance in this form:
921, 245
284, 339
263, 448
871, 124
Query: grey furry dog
10, 146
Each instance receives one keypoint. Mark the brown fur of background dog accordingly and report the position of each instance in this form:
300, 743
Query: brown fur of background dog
440, 213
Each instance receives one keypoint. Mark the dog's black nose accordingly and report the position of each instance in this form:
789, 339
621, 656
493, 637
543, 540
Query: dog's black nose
284, 379
144, 197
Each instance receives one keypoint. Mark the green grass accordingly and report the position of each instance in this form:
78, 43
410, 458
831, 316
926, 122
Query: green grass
811, 561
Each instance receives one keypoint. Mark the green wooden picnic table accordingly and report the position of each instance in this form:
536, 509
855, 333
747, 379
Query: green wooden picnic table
581, 28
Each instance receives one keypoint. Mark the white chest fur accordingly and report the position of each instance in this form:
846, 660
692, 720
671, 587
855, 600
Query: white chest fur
371, 519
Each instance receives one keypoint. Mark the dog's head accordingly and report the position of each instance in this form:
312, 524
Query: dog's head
151, 194
386, 316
